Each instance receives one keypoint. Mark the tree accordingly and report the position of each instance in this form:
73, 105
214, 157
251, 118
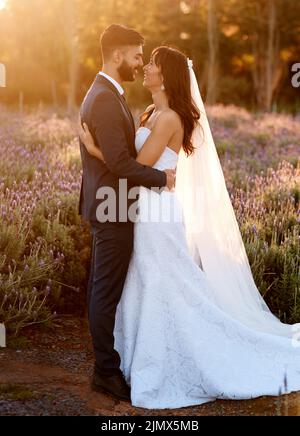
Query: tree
213, 43
243, 51
70, 20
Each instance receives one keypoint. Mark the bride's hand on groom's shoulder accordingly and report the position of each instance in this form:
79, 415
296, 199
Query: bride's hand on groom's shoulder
85, 136
87, 140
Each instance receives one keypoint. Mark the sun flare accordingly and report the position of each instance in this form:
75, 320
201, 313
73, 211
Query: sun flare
2, 4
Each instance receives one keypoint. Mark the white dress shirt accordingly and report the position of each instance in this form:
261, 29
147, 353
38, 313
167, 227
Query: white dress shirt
113, 81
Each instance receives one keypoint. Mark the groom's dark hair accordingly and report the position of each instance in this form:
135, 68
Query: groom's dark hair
116, 36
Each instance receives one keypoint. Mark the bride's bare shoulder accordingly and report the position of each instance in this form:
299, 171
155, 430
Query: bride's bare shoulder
171, 118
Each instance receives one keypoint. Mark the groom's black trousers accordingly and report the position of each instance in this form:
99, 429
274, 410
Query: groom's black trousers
111, 252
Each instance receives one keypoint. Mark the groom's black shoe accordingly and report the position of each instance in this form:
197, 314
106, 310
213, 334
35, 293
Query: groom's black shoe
113, 384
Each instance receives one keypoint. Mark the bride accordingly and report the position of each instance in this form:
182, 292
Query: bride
191, 325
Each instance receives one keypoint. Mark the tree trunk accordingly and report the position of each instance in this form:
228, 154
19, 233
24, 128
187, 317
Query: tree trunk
267, 70
73, 53
270, 64
213, 44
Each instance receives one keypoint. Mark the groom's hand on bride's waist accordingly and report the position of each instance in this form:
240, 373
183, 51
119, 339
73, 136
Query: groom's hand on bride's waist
171, 175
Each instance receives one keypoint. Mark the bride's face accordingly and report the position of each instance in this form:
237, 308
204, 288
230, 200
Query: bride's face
153, 78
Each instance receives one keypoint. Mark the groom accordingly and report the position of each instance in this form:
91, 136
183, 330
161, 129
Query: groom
110, 121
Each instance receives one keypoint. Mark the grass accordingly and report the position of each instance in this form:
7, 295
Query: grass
16, 392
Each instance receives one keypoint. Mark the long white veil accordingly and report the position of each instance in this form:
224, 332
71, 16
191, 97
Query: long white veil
213, 234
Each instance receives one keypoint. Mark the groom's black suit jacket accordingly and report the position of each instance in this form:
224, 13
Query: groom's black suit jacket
111, 124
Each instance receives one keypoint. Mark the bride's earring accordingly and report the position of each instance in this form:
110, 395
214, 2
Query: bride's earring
162, 87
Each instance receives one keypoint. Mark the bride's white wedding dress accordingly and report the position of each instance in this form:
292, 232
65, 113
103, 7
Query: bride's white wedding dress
177, 347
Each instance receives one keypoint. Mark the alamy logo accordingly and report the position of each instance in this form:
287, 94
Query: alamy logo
296, 77
2, 76
153, 205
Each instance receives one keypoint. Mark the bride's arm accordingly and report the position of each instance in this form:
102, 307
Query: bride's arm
164, 128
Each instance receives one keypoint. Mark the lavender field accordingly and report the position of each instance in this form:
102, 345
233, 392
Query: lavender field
44, 246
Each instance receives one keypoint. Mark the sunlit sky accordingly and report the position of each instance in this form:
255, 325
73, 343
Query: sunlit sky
2, 4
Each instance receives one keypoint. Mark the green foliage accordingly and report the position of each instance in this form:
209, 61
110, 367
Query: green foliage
68, 37
43, 244
15, 392
269, 219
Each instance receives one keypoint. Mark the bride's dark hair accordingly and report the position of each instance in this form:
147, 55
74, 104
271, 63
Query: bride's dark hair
175, 71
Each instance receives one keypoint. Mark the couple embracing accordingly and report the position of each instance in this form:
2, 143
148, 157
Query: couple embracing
175, 316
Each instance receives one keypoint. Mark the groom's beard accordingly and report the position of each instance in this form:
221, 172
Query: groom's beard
126, 72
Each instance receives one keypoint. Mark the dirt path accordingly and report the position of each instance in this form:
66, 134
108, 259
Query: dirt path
48, 373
